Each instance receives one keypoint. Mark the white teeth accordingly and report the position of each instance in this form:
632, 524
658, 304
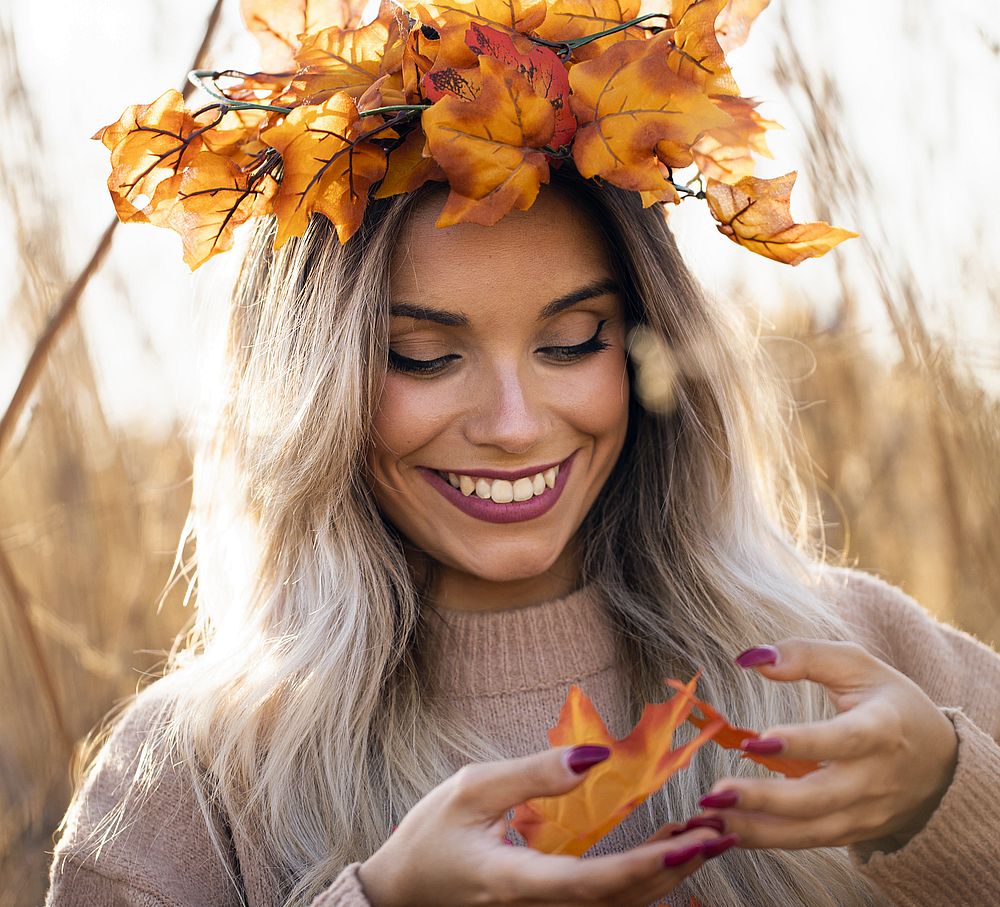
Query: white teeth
500, 490
522, 490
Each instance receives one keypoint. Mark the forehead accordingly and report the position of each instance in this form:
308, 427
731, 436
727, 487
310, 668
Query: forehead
529, 256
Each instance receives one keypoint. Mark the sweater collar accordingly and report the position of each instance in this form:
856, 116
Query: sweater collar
483, 653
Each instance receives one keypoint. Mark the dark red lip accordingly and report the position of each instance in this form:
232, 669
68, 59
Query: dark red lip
490, 511
510, 475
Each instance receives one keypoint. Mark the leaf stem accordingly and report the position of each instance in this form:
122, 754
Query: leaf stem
392, 107
565, 48
198, 77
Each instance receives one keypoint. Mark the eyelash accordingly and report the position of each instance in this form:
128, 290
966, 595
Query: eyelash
561, 353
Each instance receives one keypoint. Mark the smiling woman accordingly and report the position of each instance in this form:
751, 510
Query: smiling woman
432, 503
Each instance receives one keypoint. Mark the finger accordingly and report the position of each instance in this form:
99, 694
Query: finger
841, 666
764, 831
829, 790
486, 790
849, 735
543, 877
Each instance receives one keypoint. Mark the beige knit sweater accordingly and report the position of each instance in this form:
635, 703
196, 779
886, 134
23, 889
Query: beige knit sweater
511, 670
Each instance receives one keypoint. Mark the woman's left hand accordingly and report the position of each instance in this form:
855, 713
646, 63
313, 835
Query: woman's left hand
889, 756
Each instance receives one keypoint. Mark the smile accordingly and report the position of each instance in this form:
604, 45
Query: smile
499, 497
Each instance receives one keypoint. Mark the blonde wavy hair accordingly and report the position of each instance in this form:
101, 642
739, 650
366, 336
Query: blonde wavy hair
298, 700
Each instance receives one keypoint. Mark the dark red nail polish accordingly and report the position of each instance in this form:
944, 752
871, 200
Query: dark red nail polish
583, 757
676, 857
717, 823
758, 655
716, 846
722, 799
763, 746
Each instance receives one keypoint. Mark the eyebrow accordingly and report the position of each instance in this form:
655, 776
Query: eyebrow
456, 319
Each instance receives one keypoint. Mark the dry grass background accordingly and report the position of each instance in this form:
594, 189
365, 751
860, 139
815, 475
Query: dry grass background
906, 460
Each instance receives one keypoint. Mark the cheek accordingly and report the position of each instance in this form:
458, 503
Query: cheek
409, 414
595, 400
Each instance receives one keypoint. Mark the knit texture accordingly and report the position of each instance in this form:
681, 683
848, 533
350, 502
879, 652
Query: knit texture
512, 670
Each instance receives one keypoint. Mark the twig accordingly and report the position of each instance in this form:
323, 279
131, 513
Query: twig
33, 370
67, 306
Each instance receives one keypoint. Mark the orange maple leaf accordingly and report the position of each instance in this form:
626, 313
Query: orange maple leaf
277, 24
733, 24
638, 766
726, 152
756, 213
408, 167
544, 71
730, 737
570, 19
328, 166
697, 54
490, 147
452, 18
633, 110
214, 196
237, 135
350, 59
420, 51
150, 143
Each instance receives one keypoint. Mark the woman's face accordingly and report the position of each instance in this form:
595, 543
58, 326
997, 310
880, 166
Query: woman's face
506, 401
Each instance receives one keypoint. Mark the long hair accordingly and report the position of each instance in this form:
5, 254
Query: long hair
298, 693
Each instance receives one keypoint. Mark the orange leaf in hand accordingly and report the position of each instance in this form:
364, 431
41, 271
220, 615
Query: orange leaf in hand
329, 167
638, 766
490, 147
214, 196
730, 737
756, 214
633, 109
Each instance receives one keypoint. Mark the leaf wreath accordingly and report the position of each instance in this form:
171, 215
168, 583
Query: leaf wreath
484, 95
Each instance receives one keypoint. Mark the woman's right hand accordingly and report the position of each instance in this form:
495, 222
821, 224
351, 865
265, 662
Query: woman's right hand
450, 848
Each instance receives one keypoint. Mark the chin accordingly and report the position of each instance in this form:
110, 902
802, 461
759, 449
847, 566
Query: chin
509, 564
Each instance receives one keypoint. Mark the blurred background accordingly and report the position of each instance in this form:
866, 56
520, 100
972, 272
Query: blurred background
891, 344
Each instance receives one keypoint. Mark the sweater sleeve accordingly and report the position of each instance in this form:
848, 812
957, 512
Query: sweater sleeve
952, 860
128, 846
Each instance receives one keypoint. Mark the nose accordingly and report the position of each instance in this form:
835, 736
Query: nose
507, 411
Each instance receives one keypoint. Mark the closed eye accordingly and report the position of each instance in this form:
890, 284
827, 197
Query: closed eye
572, 353
419, 366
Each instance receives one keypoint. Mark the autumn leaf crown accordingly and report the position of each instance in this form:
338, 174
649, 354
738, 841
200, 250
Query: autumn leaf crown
486, 95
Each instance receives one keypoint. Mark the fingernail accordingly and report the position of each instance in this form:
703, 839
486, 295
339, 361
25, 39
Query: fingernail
763, 746
583, 757
716, 846
758, 655
676, 857
722, 799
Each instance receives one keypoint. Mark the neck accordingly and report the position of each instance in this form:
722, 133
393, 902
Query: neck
459, 591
